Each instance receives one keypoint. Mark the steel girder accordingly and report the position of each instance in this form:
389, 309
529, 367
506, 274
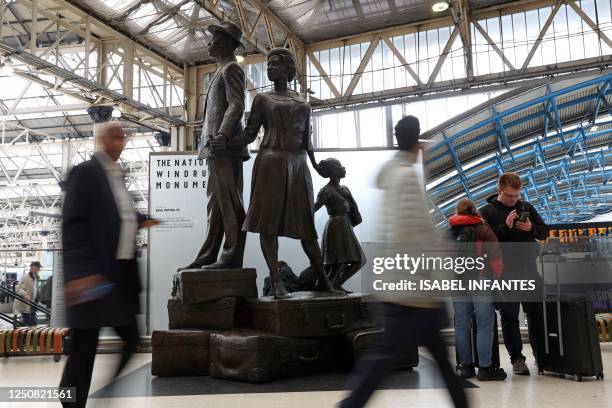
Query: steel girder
564, 160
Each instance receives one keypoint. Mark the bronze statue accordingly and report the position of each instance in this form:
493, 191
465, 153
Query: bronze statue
223, 111
282, 198
342, 254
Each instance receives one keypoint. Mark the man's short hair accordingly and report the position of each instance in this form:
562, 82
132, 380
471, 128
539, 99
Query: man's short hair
511, 180
407, 132
107, 127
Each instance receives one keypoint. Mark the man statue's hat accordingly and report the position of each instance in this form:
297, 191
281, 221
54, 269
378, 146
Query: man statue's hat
227, 28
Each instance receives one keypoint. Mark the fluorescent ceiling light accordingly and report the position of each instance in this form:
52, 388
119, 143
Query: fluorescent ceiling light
439, 6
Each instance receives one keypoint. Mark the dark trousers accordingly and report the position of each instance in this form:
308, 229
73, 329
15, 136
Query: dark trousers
79, 367
509, 311
29, 319
225, 212
403, 326
511, 327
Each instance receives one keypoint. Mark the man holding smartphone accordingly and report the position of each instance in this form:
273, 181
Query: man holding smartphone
515, 220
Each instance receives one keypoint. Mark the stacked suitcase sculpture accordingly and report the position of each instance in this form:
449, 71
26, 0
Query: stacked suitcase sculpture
219, 327
203, 302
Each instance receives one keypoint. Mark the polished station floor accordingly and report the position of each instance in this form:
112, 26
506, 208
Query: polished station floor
421, 387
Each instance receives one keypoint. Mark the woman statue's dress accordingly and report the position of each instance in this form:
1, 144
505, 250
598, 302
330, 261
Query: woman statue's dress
282, 198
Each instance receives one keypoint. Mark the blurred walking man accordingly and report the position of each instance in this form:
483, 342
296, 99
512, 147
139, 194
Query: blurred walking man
406, 220
101, 278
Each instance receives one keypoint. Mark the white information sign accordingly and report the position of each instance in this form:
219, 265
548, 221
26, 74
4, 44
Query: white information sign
177, 198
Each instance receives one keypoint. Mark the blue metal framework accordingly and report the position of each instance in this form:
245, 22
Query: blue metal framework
558, 138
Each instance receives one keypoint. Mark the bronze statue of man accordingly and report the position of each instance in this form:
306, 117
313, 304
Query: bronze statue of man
223, 111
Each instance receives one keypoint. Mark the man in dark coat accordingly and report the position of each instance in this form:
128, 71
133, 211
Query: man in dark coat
503, 213
223, 112
101, 280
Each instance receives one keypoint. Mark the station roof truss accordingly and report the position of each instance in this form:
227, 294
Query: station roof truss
147, 58
557, 137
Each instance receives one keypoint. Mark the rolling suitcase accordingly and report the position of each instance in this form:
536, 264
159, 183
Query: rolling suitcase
565, 334
196, 285
256, 357
213, 315
180, 352
308, 314
495, 345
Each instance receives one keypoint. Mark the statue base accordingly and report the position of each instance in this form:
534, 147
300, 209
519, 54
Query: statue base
220, 327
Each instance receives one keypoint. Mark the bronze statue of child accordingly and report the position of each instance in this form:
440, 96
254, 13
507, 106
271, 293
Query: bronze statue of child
342, 253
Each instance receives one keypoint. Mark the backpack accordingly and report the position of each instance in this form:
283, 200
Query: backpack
289, 279
466, 233
464, 238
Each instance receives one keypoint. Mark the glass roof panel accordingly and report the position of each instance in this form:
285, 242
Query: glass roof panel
143, 16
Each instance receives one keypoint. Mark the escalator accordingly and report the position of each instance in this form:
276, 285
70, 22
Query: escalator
35, 307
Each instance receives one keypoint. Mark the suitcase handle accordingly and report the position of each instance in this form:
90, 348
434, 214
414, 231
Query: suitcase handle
175, 283
365, 311
306, 358
335, 326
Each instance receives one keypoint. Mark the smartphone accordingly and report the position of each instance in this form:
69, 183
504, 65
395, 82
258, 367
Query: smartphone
94, 292
523, 216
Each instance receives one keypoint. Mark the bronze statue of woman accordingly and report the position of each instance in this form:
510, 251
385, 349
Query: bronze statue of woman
342, 253
282, 197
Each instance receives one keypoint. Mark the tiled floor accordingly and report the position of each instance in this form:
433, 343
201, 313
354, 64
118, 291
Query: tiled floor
526, 392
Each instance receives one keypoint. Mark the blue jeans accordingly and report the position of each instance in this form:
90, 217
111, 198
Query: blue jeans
464, 311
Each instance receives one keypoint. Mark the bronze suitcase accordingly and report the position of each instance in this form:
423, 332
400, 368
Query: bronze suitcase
362, 342
217, 314
180, 352
256, 357
308, 314
196, 285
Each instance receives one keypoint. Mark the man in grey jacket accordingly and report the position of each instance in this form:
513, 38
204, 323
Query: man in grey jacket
27, 288
406, 222
223, 112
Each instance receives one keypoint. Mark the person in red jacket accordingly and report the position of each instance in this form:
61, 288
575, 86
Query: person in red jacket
467, 226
